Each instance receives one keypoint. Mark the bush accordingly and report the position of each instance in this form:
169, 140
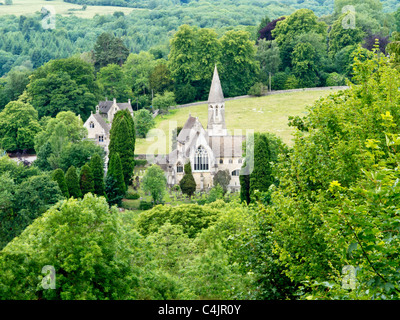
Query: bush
140, 162
132, 196
256, 89
279, 80
145, 205
335, 79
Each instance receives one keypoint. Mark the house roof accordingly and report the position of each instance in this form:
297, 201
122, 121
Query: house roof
102, 122
105, 106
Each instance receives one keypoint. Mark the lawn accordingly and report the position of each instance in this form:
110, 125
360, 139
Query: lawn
23, 7
261, 114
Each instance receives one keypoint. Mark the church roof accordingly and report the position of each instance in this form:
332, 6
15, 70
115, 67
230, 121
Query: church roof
216, 95
185, 132
226, 146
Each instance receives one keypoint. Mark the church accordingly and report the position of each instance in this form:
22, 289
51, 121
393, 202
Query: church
208, 151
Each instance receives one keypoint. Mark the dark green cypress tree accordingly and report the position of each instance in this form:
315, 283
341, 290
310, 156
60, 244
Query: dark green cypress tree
72, 180
97, 166
187, 183
115, 171
261, 177
244, 180
58, 176
86, 181
122, 141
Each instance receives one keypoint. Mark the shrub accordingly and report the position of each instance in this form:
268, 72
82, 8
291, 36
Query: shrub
145, 205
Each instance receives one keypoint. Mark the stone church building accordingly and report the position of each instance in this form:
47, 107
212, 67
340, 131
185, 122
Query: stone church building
208, 150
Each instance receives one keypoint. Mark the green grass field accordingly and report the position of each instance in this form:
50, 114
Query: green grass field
261, 114
24, 7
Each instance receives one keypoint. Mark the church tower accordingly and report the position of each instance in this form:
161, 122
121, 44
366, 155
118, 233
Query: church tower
216, 108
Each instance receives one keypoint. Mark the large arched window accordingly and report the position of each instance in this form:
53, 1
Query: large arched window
201, 159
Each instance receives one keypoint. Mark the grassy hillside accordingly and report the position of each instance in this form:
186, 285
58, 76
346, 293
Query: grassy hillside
23, 7
262, 114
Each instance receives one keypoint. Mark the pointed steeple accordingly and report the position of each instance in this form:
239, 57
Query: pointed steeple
216, 95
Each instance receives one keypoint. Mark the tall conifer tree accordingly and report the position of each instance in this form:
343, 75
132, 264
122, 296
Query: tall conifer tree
188, 184
122, 141
86, 180
261, 177
72, 180
115, 185
96, 164
58, 176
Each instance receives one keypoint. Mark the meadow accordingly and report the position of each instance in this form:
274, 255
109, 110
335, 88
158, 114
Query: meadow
24, 7
262, 114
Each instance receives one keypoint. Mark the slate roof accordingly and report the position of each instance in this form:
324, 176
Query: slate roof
105, 106
216, 95
226, 146
102, 122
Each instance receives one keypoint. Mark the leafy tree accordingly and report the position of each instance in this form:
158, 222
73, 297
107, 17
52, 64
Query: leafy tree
58, 176
122, 141
155, 182
299, 22
31, 199
263, 23
269, 58
72, 180
266, 32
215, 193
222, 178
97, 167
237, 78
340, 37
187, 183
86, 180
137, 70
109, 49
83, 248
160, 78
192, 217
143, 122
113, 83
164, 101
78, 153
303, 64
335, 79
18, 126
115, 187
63, 85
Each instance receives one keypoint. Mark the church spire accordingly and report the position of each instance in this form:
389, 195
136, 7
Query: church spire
216, 95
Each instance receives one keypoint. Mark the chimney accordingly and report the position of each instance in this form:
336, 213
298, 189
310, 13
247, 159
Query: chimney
129, 101
115, 100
